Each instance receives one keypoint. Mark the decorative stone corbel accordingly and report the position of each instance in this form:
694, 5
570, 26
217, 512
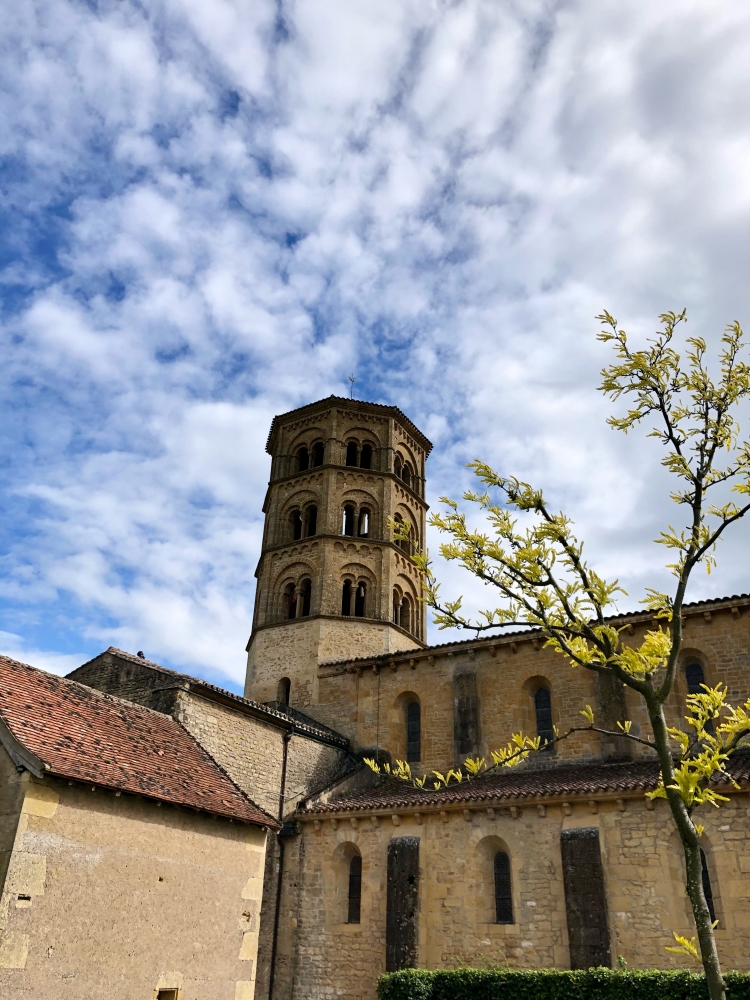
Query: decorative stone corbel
567, 808
542, 810
396, 819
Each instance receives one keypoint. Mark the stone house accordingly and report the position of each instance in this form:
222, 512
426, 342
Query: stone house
561, 861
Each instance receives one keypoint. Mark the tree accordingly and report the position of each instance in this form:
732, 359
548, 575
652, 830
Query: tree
533, 559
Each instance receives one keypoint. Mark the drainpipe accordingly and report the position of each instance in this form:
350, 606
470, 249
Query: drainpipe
277, 912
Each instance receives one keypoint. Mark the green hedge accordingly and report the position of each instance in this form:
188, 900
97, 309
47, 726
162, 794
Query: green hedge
553, 984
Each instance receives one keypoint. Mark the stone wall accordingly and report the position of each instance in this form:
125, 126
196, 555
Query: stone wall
114, 896
643, 872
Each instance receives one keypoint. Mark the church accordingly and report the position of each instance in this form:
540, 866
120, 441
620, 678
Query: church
286, 869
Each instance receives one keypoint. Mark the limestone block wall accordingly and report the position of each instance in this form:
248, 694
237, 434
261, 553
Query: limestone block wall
371, 697
114, 896
321, 955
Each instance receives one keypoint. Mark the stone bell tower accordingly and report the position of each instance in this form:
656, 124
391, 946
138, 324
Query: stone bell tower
331, 582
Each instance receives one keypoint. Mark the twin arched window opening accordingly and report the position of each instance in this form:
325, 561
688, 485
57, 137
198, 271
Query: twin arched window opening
295, 602
403, 612
310, 459
353, 599
410, 542
359, 458
304, 525
404, 471
543, 710
352, 520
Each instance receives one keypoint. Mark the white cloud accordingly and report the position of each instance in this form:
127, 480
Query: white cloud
218, 213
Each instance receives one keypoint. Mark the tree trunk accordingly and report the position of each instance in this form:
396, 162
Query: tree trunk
691, 847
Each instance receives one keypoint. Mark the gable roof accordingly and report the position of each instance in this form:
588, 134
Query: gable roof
56, 726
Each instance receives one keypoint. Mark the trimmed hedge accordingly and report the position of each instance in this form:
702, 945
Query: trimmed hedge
553, 984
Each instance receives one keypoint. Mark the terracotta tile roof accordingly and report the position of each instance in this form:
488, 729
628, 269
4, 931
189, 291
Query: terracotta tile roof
79, 733
505, 786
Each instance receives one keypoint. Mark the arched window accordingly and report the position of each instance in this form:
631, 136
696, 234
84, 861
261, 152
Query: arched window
413, 732
503, 892
405, 616
311, 520
284, 690
359, 600
295, 519
347, 527
396, 608
363, 523
707, 891
303, 459
397, 465
695, 677
543, 709
305, 590
351, 453
365, 458
355, 889
406, 474
318, 453
289, 601
346, 598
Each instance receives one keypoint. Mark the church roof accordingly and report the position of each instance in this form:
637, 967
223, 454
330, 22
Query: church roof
52, 725
321, 404
505, 786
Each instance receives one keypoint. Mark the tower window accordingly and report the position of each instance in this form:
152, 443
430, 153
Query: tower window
365, 458
295, 519
351, 453
318, 453
355, 889
405, 616
311, 520
284, 690
363, 524
503, 893
303, 460
397, 466
347, 527
543, 709
413, 732
396, 608
346, 598
707, 891
359, 600
305, 591
406, 473
289, 601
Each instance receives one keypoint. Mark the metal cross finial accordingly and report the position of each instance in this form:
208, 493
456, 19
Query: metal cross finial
352, 380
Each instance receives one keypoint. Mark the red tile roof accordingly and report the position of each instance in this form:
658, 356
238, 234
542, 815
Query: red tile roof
560, 781
79, 733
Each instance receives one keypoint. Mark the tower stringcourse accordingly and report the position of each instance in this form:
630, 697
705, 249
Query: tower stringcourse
333, 583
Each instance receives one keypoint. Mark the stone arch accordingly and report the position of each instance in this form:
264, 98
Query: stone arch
496, 887
399, 726
358, 591
404, 514
343, 856
298, 502
287, 590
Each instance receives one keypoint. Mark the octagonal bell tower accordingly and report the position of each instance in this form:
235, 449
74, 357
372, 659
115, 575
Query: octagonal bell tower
332, 584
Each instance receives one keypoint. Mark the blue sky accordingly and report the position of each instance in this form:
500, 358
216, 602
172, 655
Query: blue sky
214, 212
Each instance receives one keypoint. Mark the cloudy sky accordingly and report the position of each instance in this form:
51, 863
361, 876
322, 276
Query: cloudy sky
213, 212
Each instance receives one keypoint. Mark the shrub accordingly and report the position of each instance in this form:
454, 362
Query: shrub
553, 984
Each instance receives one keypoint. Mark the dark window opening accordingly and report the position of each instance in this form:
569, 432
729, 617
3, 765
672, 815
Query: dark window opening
346, 598
318, 454
694, 678
363, 525
503, 894
405, 615
365, 458
167, 995
397, 464
351, 453
305, 591
396, 608
303, 459
355, 889
413, 732
707, 891
311, 519
295, 519
289, 601
347, 527
359, 601
543, 709
284, 691
406, 474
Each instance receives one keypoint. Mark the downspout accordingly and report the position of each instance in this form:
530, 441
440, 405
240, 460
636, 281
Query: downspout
277, 912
